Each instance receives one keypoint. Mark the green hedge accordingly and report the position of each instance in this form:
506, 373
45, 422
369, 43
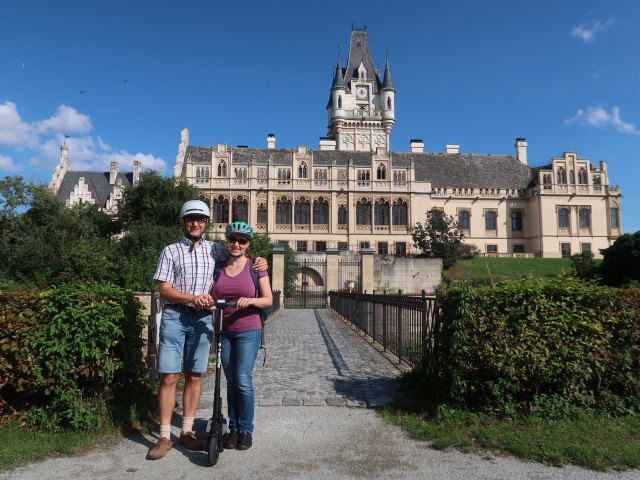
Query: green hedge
71, 356
539, 346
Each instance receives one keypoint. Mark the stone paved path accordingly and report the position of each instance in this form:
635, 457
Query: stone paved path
314, 358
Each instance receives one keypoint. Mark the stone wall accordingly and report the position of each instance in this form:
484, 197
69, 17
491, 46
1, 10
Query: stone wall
412, 275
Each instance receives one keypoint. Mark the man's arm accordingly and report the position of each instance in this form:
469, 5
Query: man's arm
169, 293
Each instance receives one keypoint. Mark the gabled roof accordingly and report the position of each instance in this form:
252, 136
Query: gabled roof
97, 182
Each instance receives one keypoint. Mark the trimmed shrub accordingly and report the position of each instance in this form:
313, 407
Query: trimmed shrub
539, 345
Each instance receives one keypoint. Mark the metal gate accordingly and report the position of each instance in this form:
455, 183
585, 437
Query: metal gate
349, 273
310, 288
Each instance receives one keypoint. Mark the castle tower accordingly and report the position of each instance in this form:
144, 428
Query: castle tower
361, 108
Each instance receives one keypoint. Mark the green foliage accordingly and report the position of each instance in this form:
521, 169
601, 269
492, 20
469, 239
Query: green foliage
497, 269
262, 246
621, 261
583, 265
439, 237
51, 243
82, 358
155, 200
467, 250
15, 194
543, 345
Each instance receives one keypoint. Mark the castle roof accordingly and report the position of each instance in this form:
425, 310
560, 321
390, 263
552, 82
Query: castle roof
97, 182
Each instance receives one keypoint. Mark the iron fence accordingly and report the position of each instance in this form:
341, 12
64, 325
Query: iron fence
406, 326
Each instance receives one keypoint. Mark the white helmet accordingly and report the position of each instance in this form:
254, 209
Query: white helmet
195, 207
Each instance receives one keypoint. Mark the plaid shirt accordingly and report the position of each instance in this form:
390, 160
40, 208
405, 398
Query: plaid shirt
190, 269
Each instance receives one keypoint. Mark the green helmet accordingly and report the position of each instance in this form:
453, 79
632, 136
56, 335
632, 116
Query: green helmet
239, 228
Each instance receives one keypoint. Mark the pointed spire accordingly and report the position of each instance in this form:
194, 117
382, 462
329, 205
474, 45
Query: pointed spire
338, 79
387, 83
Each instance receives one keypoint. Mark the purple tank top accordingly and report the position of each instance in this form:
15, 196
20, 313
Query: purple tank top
231, 289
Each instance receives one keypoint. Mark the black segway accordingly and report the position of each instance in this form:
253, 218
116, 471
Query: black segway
218, 424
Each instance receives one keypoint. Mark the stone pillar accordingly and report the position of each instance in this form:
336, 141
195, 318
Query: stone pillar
277, 277
332, 269
366, 270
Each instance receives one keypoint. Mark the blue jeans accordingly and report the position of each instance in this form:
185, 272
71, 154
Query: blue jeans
239, 351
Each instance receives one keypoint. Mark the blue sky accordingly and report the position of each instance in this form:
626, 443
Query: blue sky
123, 78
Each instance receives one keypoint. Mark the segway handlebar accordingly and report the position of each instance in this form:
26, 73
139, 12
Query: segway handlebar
222, 304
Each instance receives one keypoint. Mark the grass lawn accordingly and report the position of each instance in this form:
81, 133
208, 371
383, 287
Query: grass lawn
592, 442
507, 268
20, 447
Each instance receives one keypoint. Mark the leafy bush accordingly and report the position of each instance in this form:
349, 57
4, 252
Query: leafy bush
536, 344
82, 357
621, 261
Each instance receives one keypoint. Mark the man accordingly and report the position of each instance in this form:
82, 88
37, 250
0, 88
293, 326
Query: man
185, 275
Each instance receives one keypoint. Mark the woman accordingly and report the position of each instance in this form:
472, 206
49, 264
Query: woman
240, 331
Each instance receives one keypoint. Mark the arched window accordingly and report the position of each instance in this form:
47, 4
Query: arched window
240, 210
222, 169
381, 212
563, 217
596, 180
302, 214
220, 210
343, 216
572, 177
262, 214
382, 172
546, 180
399, 212
389, 103
320, 211
464, 219
363, 212
490, 220
283, 211
302, 170
562, 176
516, 220
582, 176
435, 216
339, 101
584, 216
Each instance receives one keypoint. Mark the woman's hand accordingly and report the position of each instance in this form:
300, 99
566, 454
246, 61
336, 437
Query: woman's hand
244, 302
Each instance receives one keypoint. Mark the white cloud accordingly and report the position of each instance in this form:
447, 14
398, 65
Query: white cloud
13, 131
44, 138
6, 164
588, 32
67, 120
599, 117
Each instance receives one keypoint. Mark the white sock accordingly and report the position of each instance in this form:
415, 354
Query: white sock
187, 424
165, 431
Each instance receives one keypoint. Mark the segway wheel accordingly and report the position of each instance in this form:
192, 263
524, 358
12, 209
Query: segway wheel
213, 450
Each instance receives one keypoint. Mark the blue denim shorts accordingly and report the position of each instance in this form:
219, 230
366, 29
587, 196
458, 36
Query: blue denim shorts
184, 334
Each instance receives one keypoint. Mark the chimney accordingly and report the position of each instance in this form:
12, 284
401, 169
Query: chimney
136, 171
113, 173
452, 148
271, 141
521, 150
416, 145
327, 143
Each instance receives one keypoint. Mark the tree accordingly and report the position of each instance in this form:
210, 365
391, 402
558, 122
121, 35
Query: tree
52, 244
14, 195
262, 246
621, 261
155, 200
439, 237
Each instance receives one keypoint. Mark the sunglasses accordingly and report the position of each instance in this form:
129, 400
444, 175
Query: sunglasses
239, 241
195, 219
